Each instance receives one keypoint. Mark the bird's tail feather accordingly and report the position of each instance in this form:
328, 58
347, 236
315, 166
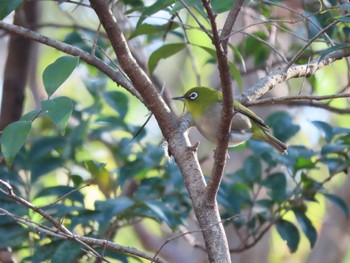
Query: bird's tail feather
275, 143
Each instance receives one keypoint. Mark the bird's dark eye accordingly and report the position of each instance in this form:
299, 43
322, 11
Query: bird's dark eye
193, 96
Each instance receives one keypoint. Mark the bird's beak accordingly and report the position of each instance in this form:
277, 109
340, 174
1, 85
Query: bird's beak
182, 98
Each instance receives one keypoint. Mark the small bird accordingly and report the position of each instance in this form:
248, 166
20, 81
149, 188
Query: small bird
205, 105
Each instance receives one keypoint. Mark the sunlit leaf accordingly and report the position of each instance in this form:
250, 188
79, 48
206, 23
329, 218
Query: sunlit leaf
164, 52
59, 110
118, 101
56, 73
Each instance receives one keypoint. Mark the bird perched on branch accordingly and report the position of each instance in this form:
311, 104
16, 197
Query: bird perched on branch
205, 106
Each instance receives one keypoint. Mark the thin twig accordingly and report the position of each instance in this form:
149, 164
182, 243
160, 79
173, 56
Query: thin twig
229, 23
196, 19
65, 196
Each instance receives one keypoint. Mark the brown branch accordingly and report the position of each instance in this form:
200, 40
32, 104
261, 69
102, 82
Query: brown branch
193, 232
229, 23
296, 71
115, 75
226, 114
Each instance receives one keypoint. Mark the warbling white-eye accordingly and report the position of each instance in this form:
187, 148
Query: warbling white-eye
205, 105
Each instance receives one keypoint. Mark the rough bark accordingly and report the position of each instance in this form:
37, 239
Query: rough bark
208, 215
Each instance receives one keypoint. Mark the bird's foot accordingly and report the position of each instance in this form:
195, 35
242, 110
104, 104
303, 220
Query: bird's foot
194, 147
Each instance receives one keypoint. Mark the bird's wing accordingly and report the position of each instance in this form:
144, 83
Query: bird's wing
237, 106
240, 123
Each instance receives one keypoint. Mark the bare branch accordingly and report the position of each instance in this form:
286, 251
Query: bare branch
226, 114
196, 19
297, 71
229, 23
280, 100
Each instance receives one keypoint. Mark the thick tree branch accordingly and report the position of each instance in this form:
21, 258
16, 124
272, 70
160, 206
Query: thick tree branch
297, 71
178, 143
117, 76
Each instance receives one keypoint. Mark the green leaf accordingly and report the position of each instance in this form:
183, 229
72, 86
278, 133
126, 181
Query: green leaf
13, 235
325, 128
289, 233
30, 116
252, 169
156, 7
277, 184
331, 49
339, 202
306, 226
56, 73
44, 166
7, 6
283, 127
59, 110
220, 6
149, 29
110, 208
13, 138
118, 101
164, 52
67, 251
162, 212
304, 163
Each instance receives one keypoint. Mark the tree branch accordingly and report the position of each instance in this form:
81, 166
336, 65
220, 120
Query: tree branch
117, 76
226, 114
215, 237
281, 100
229, 23
297, 71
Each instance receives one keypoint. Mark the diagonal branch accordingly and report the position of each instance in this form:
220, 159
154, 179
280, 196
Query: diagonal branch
296, 71
229, 23
117, 76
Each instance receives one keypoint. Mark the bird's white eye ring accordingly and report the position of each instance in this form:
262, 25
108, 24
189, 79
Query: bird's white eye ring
193, 96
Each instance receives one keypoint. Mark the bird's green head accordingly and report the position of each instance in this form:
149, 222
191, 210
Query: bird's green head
199, 99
